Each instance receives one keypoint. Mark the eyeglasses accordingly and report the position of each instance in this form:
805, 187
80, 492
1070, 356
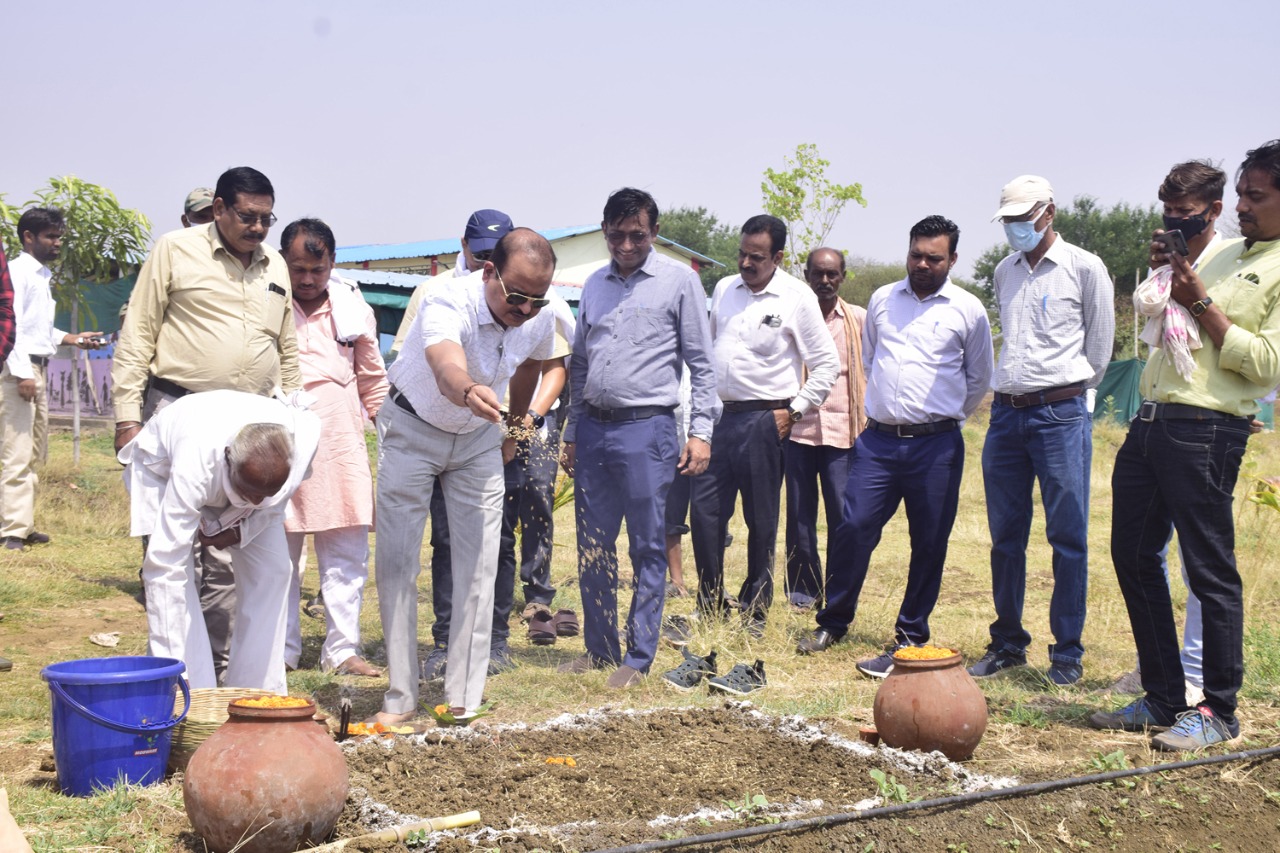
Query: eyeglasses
637, 238
481, 257
520, 298
266, 219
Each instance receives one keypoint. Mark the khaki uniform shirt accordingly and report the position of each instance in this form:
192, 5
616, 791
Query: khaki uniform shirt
197, 317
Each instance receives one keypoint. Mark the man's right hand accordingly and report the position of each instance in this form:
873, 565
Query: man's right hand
125, 432
568, 457
27, 389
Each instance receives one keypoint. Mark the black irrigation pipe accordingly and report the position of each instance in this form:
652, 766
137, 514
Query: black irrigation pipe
959, 799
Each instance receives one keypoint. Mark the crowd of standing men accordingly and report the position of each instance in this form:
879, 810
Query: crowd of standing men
244, 377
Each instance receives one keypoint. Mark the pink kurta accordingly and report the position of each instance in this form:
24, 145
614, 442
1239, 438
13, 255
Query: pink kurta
345, 380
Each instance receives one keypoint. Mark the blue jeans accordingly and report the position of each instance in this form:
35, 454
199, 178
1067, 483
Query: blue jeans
1051, 443
1181, 473
623, 470
924, 473
809, 467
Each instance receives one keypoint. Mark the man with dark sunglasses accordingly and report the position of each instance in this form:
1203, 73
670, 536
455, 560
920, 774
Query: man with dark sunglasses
445, 426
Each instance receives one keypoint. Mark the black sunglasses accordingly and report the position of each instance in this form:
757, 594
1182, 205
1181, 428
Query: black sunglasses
520, 298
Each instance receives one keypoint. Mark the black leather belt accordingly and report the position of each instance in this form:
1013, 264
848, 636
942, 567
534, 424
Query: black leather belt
736, 406
41, 360
1152, 411
402, 401
913, 430
1040, 398
630, 413
172, 389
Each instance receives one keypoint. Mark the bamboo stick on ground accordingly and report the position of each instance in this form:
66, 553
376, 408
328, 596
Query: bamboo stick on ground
400, 833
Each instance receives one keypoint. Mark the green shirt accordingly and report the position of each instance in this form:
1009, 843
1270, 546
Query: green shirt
1244, 282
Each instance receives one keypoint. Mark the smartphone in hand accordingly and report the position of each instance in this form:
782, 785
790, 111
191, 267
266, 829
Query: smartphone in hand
1173, 242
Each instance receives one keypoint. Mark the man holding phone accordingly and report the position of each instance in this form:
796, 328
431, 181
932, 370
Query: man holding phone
1192, 197
1179, 463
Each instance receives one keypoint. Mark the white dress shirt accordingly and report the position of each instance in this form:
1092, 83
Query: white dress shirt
456, 311
32, 315
764, 340
1058, 320
926, 359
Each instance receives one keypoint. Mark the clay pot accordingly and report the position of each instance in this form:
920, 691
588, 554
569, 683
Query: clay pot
268, 780
931, 705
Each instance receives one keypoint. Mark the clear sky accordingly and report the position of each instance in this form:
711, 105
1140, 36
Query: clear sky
393, 120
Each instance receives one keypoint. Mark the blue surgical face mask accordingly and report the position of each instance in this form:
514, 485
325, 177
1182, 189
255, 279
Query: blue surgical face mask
1023, 236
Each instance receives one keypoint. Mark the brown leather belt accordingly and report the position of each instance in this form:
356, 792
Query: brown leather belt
1040, 398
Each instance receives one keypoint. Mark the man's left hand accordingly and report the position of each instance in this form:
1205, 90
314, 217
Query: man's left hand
782, 418
694, 459
225, 539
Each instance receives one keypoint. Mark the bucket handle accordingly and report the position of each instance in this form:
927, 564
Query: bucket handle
125, 728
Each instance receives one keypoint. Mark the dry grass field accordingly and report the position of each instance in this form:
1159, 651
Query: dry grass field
55, 596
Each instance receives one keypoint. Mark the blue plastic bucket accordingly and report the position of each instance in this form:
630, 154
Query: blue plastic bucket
113, 719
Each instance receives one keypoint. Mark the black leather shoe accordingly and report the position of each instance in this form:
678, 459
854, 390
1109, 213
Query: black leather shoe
13, 543
819, 641
37, 538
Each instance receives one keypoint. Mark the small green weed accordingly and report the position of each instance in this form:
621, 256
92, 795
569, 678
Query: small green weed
891, 790
1101, 763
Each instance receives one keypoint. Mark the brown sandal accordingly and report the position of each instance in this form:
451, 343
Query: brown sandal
542, 629
566, 623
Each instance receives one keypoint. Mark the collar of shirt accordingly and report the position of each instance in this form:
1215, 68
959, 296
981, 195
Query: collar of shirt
1056, 250
28, 265
648, 267
216, 242
943, 292
1257, 248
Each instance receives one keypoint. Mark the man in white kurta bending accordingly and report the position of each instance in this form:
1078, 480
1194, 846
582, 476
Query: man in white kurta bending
218, 468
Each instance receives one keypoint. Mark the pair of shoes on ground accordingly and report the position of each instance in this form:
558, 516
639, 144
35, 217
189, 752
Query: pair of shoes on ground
742, 680
620, 679
1191, 730
545, 626
1061, 673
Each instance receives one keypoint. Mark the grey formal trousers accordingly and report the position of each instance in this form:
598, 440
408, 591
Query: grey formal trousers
411, 456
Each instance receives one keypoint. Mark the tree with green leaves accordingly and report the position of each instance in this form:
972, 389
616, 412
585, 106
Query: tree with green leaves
101, 236
698, 229
802, 196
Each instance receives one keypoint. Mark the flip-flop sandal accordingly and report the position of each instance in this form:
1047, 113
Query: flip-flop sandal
542, 629
566, 623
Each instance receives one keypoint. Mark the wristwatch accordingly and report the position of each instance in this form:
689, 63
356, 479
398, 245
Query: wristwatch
793, 415
538, 420
1201, 306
